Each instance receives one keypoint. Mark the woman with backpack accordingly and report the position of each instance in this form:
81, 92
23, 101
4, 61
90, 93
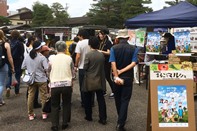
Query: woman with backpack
5, 58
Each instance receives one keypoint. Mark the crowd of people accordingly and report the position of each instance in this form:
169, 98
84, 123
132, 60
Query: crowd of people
94, 58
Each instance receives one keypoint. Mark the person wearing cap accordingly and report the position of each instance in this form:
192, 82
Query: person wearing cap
45, 51
37, 63
123, 58
104, 47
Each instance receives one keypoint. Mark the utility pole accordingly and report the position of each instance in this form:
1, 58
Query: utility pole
66, 8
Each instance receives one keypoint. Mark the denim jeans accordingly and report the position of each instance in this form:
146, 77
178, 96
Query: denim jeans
18, 73
3, 75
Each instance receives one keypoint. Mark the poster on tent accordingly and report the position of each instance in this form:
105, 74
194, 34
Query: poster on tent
140, 38
172, 106
153, 43
132, 36
193, 41
182, 42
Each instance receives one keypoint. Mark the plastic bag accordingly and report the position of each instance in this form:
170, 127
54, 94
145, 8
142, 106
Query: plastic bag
14, 81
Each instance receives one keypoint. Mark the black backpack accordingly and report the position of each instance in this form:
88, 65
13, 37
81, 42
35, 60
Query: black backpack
16, 50
2, 55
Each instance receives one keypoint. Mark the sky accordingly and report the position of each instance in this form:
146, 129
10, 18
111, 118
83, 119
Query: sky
76, 8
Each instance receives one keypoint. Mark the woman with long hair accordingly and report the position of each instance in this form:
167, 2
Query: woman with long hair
104, 47
6, 59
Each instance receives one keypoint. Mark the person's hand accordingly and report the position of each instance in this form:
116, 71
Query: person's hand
13, 71
100, 51
118, 81
119, 72
75, 68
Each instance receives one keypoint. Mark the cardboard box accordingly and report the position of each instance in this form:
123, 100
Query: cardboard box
194, 87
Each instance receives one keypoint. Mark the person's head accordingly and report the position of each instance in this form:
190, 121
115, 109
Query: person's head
45, 51
30, 41
60, 46
21, 39
37, 46
27, 35
15, 34
168, 36
2, 36
103, 34
76, 39
163, 41
123, 35
83, 34
93, 42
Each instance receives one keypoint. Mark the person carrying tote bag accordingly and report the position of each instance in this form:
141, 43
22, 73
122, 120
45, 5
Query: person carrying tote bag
94, 81
37, 63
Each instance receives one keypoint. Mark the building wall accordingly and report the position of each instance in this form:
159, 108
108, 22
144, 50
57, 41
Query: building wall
20, 22
3, 8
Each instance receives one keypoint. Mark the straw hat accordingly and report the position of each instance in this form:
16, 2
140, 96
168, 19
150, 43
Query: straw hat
123, 34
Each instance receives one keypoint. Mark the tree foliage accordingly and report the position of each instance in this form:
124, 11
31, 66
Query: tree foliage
174, 2
193, 1
43, 15
113, 13
4, 21
60, 14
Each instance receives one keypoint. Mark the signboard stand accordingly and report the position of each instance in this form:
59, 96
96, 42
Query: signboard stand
171, 101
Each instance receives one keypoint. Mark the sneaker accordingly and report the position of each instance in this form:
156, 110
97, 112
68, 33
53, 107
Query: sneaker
2, 103
136, 82
111, 96
8, 92
44, 116
32, 117
104, 94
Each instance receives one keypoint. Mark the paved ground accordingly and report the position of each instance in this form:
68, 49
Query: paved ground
13, 116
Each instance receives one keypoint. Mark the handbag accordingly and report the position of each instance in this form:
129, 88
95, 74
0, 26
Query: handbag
29, 78
47, 106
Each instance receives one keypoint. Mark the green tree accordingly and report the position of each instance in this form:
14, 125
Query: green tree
42, 15
174, 2
171, 3
60, 14
4, 21
113, 13
132, 8
193, 1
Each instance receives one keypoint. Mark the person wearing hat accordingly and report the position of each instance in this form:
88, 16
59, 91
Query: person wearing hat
123, 58
45, 51
36, 63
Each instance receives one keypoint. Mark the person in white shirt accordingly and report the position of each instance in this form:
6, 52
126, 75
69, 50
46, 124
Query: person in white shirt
81, 50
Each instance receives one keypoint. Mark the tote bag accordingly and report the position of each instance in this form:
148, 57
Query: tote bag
29, 78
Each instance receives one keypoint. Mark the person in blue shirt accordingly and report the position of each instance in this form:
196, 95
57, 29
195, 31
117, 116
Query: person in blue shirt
123, 58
